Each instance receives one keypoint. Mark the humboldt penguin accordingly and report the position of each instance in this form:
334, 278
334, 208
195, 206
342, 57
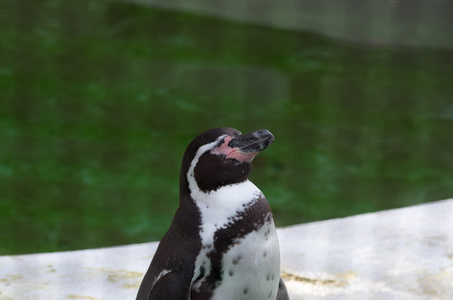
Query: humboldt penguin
222, 243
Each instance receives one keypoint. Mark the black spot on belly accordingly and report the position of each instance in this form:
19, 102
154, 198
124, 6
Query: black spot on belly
264, 254
231, 273
246, 290
236, 260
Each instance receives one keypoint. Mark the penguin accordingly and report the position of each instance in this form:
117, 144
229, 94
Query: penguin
222, 243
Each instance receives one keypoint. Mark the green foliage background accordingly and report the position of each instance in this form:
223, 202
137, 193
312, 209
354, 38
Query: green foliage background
99, 100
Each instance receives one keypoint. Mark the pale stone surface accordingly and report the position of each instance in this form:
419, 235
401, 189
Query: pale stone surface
397, 254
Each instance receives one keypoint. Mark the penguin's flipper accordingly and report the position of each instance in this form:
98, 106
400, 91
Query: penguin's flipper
169, 286
282, 293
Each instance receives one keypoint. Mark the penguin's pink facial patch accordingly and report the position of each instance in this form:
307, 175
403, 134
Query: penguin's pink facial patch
235, 153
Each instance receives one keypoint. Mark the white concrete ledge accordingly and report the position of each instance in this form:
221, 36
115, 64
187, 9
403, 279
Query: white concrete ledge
397, 254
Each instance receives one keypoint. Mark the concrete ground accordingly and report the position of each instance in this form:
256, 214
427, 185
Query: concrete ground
399, 254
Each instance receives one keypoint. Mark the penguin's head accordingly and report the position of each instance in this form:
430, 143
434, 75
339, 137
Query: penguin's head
222, 156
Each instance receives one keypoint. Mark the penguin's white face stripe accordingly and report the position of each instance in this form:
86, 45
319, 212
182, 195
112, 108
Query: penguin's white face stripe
217, 208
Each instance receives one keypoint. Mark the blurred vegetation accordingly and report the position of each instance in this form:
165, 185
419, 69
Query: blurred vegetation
99, 100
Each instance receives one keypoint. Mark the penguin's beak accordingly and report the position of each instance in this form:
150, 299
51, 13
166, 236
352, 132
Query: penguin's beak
252, 142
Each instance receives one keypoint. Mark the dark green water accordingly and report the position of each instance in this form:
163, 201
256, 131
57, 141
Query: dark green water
99, 100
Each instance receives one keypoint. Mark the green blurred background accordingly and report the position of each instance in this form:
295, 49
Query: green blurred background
100, 98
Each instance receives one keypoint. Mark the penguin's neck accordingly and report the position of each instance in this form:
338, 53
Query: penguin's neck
219, 207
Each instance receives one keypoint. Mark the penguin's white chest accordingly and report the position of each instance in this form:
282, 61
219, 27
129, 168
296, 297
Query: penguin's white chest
239, 242
251, 268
